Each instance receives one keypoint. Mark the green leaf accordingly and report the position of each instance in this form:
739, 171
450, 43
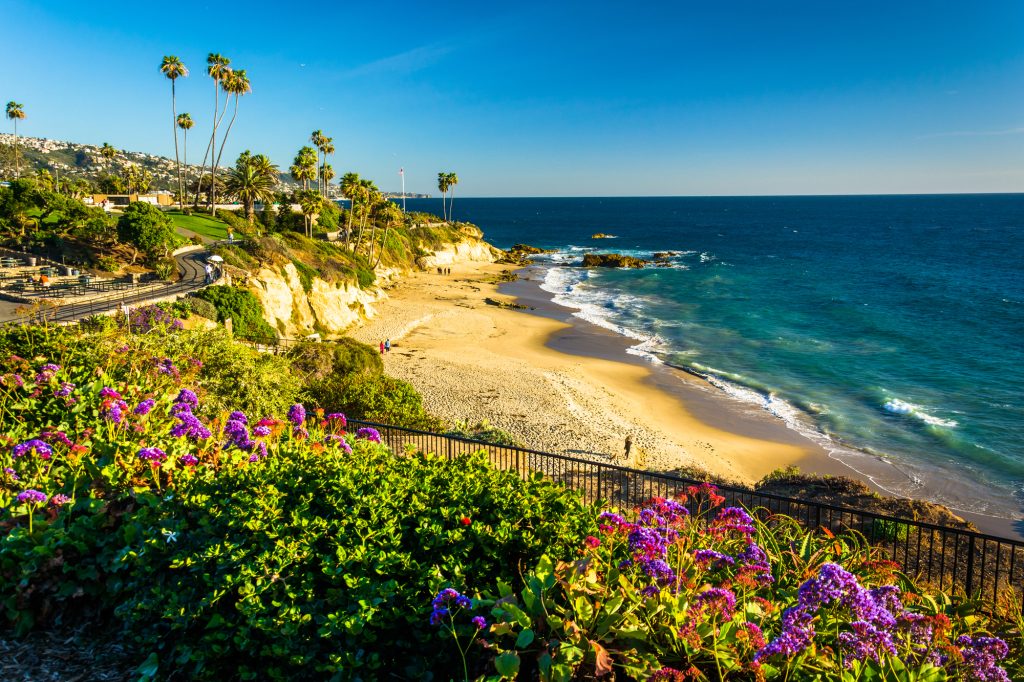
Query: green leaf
524, 639
149, 667
507, 664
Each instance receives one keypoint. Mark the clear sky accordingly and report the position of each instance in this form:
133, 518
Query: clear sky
556, 98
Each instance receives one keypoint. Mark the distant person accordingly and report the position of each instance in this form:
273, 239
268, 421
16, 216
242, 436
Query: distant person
628, 446
209, 273
382, 348
231, 235
387, 345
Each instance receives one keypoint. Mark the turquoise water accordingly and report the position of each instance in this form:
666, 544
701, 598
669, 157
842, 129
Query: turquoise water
889, 325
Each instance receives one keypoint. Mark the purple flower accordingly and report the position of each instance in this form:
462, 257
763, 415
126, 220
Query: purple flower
981, 656
479, 621
189, 426
709, 558
717, 598
66, 388
179, 408
261, 452
115, 413
188, 459
238, 435
238, 416
659, 570
143, 408
651, 591
733, 518
647, 543
166, 366
12, 473
46, 373
261, 431
865, 641
437, 616
300, 432
366, 433
59, 500
34, 445
297, 414
31, 496
188, 397
609, 522
337, 417
108, 392
154, 456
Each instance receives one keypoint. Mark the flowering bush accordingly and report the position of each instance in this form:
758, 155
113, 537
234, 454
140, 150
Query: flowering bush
702, 592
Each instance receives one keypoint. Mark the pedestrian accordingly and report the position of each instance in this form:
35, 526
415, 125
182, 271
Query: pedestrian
629, 446
382, 348
231, 235
387, 345
209, 273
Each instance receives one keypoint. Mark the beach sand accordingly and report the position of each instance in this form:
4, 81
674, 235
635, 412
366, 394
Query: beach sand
567, 387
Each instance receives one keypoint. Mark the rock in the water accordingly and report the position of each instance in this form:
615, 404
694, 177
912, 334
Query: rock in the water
612, 260
602, 235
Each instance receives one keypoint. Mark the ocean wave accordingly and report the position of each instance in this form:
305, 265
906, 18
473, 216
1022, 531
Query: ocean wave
901, 407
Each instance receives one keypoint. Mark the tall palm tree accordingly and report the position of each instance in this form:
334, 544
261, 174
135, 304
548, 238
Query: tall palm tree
311, 204
350, 184
317, 138
235, 83
326, 147
252, 181
442, 186
304, 166
173, 68
185, 122
453, 180
389, 214
216, 68
327, 173
107, 151
367, 198
16, 112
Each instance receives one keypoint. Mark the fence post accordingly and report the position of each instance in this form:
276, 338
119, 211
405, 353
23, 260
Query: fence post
449, 449
970, 567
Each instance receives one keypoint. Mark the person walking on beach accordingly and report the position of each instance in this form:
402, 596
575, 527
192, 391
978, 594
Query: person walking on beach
387, 345
382, 348
628, 447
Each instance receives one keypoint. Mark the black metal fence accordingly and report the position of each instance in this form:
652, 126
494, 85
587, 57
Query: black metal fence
953, 559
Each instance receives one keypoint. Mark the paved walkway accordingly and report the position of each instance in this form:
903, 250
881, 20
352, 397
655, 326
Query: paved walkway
192, 278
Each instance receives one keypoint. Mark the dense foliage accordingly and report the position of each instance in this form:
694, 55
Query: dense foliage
244, 310
146, 229
161, 487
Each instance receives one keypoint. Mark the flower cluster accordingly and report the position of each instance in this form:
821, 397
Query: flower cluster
154, 456
31, 496
445, 601
149, 317
46, 373
367, 433
188, 425
33, 446
113, 406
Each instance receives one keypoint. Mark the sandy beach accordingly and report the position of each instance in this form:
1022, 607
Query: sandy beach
566, 388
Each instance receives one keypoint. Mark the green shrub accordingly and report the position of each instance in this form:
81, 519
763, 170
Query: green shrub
165, 268
342, 358
306, 274
380, 399
484, 431
243, 308
200, 307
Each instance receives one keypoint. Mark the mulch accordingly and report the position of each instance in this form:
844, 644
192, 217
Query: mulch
64, 656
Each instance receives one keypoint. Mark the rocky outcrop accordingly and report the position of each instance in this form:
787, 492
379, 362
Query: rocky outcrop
520, 254
464, 251
602, 235
612, 260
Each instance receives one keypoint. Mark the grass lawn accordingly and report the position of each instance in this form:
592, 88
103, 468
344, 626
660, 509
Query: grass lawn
200, 224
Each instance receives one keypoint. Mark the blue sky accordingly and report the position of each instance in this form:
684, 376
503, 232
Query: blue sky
557, 99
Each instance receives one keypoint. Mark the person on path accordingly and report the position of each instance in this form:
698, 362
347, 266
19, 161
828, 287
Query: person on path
382, 348
209, 272
387, 345
628, 447
231, 235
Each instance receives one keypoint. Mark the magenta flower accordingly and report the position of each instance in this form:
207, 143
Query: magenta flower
154, 456
32, 446
366, 433
31, 496
297, 414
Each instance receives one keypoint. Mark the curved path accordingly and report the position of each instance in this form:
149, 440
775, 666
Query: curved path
192, 277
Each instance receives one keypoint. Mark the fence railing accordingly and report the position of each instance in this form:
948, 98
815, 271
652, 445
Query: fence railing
953, 559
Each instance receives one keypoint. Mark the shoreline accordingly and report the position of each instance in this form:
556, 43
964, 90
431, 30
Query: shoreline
565, 385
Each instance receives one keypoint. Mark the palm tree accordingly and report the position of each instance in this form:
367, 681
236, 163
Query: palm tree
367, 198
185, 122
442, 186
311, 204
317, 137
16, 112
453, 180
107, 151
252, 181
326, 147
173, 68
327, 173
350, 184
217, 68
304, 166
389, 214
235, 83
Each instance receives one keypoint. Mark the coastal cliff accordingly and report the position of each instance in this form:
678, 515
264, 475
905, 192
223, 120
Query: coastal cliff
299, 299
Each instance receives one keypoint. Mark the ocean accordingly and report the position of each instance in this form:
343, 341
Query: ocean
891, 326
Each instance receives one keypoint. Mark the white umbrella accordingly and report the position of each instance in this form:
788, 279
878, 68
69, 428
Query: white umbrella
215, 259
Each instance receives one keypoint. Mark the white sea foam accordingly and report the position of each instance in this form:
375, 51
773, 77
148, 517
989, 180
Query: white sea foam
897, 406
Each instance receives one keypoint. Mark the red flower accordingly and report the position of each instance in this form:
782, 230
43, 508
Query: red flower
465, 521
591, 541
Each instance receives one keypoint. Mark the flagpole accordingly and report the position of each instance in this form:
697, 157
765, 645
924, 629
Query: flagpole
401, 171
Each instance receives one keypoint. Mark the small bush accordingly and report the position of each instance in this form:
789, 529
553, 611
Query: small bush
165, 268
343, 358
243, 308
201, 307
380, 399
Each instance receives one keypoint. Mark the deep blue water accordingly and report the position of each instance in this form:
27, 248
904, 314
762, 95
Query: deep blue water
894, 324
